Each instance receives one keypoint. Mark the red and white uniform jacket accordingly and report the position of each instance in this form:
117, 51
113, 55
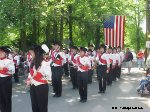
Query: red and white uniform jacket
104, 59
16, 60
91, 57
118, 59
58, 58
8, 67
73, 59
43, 74
112, 59
83, 63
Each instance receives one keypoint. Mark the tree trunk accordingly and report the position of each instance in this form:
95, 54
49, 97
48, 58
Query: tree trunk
138, 31
61, 26
97, 36
47, 33
34, 30
38, 30
34, 25
148, 19
70, 25
55, 31
147, 27
23, 45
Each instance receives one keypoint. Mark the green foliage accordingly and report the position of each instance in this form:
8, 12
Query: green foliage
40, 21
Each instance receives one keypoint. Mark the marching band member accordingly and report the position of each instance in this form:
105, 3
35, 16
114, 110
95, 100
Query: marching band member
118, 64
91, 71
73, 66
122, 56
112, 65
52, 49
103, 68
38, 79
16, 59
66, 65
84, 65
7, 68
91, 47
29, 59
98, 53
58, 59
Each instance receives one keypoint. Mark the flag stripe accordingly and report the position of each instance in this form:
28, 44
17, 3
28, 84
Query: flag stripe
121, 33
124, 18
109, 37
105, 34
120, 28
112, 38
114, 31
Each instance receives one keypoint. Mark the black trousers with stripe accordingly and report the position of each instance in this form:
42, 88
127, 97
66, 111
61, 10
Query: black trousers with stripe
90, 74
5, 94
16, 77
83, 84
109, 76
57, 73
119, 72
73, 76
102, 77
39, 98
66, 69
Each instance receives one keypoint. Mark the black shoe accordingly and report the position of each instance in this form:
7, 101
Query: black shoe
114, 80
80, 100
54, 95
58, 96
100, 92
83, 101
103, 91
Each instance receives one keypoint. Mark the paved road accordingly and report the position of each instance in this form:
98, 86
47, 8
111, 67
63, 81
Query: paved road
121, 94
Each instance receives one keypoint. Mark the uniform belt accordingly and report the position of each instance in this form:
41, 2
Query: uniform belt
102, 65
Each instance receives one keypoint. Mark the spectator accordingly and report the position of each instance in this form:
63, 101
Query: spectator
128, 59
140, 60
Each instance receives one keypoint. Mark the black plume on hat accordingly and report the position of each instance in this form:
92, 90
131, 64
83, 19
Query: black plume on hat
114, 48
57, 43
110, 47
89, 50
103, 46
119, 47
83, 49
74, 47
6, 49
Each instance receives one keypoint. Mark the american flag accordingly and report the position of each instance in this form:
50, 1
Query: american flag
114, 31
